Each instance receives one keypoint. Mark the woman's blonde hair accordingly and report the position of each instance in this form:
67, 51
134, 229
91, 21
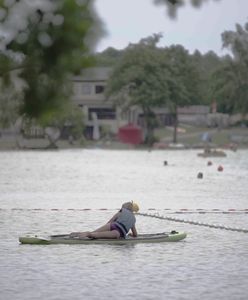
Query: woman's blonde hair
132, 206
128, 205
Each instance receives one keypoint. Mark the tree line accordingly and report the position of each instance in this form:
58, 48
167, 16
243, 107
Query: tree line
150, 76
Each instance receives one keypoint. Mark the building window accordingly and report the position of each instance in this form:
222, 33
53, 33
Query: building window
81, 89
99, 89
103, 113
86, 89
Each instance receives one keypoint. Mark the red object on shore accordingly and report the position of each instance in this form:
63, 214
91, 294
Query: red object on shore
130, 134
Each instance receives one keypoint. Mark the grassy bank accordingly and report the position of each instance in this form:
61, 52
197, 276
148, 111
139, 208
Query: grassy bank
189, 136
192, 136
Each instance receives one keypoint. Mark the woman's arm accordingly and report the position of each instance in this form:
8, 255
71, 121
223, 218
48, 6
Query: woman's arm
134, 231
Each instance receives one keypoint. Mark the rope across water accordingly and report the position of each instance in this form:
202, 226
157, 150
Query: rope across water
167, 210
157, 215
217, 226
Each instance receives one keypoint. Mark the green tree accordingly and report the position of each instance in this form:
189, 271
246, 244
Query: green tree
52, 44
206, 65
140, 80
9, 104
10, 96
149, 77
183, 82
109, 57
230, 86
50, 39
72, 119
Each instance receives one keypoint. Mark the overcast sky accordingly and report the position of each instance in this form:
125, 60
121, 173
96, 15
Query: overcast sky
127, 21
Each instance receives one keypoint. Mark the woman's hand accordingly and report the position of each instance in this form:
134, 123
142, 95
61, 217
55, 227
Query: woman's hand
74, 234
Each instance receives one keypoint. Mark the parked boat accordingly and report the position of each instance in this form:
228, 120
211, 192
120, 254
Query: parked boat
212, 153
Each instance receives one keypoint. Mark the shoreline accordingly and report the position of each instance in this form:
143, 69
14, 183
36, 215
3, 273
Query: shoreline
225, 139
43, 145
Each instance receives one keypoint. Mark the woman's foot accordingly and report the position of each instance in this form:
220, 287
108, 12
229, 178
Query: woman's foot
74, 234
91, 235
83, 235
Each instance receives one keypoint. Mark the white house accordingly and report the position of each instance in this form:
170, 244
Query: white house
88, 94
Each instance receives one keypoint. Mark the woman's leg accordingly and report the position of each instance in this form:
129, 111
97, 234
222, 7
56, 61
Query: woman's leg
79, 234
113, 234
105, 227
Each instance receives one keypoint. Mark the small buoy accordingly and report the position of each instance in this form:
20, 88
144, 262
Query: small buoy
210, 163
165, 163
200, 175
220, 168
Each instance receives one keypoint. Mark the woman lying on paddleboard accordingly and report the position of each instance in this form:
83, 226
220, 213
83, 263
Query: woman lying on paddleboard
117, 227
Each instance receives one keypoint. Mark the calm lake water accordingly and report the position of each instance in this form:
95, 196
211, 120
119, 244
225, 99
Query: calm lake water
42, 193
